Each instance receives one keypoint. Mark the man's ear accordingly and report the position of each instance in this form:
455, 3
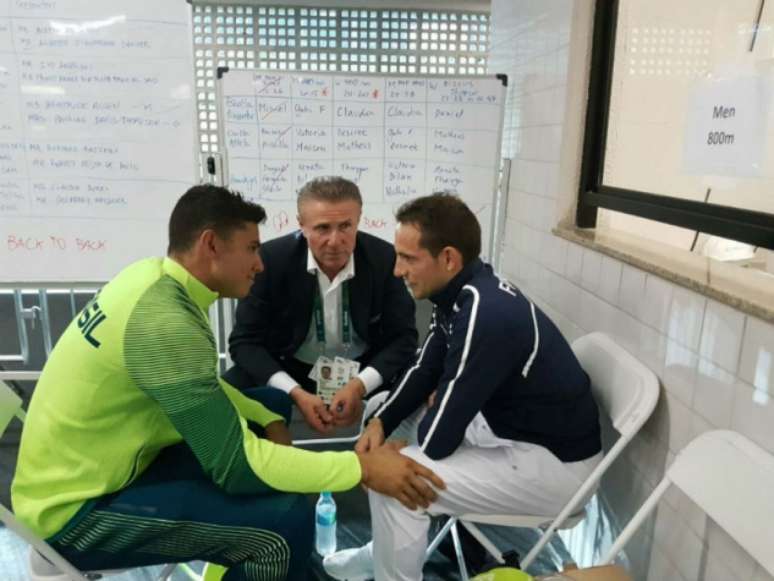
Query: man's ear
208, 242
452, 258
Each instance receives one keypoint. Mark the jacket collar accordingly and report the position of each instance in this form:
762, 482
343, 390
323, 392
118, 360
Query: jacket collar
446, 297
344, 274
199, 293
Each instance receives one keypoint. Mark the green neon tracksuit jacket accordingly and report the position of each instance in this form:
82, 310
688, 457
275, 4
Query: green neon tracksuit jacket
135, 372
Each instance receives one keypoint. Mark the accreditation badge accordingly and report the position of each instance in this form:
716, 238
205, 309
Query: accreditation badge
323, 375
330, 375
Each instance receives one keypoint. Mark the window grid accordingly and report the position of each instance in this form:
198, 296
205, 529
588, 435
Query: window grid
407, 42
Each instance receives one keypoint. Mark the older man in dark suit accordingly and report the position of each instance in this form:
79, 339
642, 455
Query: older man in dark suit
326, 291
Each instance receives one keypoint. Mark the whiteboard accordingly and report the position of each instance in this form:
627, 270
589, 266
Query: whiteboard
96, 134
398, 138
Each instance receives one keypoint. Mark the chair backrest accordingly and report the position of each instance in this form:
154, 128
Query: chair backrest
731, 479
623, 386
10, 406
627, 391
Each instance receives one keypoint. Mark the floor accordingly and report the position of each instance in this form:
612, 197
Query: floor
353, 531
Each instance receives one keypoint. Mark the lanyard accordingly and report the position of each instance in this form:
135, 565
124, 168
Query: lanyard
319, 318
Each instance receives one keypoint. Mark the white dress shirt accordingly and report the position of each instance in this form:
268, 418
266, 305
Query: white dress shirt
309, 351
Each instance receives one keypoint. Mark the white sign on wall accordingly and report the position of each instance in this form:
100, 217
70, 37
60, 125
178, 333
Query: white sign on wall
726, 127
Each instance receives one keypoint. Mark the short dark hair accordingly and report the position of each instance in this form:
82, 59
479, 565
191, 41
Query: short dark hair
329, 189
209, 207
443, 220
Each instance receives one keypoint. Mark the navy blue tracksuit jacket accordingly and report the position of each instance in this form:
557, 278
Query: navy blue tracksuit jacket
490, 350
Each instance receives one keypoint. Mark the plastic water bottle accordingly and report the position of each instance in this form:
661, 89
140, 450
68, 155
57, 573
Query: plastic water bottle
325, 528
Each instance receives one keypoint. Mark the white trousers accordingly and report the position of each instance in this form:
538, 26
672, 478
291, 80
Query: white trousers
517, 479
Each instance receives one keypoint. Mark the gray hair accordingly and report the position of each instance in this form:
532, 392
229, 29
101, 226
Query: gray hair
329, 189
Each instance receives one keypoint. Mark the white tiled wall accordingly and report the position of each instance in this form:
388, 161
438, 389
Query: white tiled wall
716, 364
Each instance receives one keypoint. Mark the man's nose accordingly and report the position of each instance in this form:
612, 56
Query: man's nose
335, 237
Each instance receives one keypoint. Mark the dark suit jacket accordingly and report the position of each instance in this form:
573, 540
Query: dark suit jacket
273, 320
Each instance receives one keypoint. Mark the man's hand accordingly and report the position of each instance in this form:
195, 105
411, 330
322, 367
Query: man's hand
347, 404
313, 409
371, 438
278, 433
387, 471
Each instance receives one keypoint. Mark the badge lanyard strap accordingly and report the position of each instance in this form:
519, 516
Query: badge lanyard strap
319, 318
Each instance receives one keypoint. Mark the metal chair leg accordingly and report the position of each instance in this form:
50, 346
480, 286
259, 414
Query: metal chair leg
184, 568
459, 553
167, 571
439, 537
485, 542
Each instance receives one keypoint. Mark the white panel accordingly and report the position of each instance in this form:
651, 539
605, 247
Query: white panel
721, 335
757, 364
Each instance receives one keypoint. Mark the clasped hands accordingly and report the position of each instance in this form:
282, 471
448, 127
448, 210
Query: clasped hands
345, 409
384, 469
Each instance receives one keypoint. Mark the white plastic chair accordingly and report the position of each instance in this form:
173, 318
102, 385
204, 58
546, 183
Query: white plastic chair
10, 408
627, 391
732, 480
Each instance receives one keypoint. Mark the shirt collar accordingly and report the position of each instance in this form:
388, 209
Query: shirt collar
446, 297
197, 290
345, 273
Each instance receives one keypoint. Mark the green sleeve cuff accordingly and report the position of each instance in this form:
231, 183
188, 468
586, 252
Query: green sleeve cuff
295, 470
249, 408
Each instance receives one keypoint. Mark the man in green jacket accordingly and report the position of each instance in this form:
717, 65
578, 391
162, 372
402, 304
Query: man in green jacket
135, 453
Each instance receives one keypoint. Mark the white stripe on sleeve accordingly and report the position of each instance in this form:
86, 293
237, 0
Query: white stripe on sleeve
406, 376
463, 360
532, 356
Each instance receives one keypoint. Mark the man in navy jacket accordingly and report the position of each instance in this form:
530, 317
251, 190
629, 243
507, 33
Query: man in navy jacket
510, 423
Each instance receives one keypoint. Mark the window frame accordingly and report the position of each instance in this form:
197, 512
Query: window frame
749, 226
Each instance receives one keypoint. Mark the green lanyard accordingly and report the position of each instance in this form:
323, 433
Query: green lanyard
319, 318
